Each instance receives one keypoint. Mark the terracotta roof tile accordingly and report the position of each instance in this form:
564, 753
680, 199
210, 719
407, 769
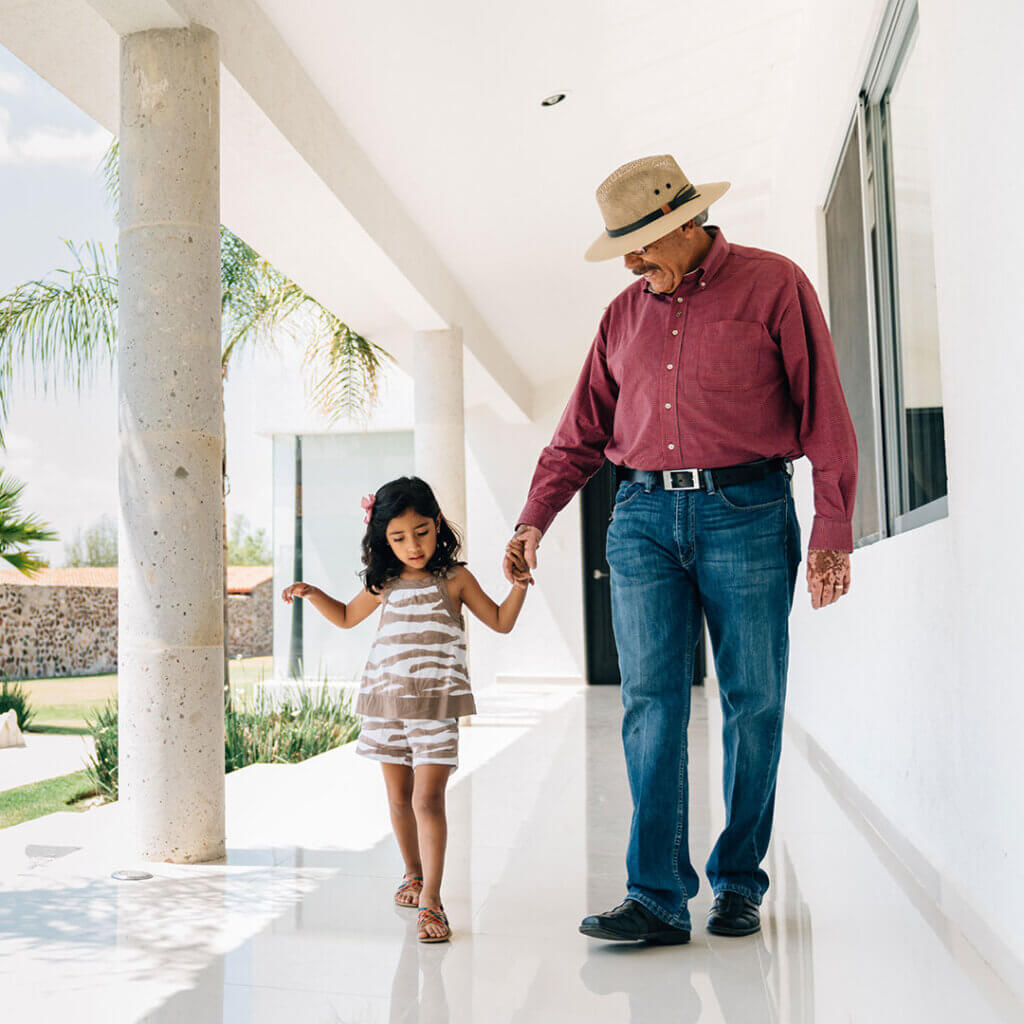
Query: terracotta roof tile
242, 579
84, 577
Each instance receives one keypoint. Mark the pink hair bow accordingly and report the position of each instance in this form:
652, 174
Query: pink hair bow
368, 502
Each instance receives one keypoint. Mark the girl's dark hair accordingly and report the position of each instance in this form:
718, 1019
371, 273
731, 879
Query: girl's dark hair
394, 498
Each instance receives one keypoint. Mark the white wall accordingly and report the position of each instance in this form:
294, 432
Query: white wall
913, 683
500, 459
501, 453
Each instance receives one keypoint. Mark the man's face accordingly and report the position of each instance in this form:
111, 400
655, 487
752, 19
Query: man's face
662, 263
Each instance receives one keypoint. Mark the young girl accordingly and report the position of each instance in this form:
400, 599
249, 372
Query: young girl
415, 685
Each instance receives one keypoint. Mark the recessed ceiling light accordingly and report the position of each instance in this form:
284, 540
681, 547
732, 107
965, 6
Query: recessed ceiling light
553, 99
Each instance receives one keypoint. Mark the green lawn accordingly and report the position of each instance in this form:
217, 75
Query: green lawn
39, 798
62, 705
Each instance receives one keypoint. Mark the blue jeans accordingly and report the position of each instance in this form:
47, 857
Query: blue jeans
733, 553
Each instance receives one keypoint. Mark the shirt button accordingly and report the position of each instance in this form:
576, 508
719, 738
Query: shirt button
671, 447
675, 332
703, 284
680, 299
679, 314
669, 367
668, 405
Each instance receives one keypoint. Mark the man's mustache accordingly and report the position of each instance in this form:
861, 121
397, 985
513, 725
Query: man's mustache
644, 268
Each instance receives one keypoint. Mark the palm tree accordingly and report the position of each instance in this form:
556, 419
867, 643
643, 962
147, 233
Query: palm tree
18, 531
65, 327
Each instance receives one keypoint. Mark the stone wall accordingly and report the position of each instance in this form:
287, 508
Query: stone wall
57, 631
251, 621
70, 631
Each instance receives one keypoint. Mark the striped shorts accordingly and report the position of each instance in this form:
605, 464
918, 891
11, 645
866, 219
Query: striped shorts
410, 741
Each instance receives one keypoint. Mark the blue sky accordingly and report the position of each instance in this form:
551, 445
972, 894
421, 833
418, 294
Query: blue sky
62, 445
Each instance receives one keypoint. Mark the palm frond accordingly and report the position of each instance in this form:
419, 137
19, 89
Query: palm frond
25, 562
238, 262
62, 327
66, 325
111, 173
345, 369
18, 531
258, 300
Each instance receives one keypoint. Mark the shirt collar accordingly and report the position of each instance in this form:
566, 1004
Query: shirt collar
706, 270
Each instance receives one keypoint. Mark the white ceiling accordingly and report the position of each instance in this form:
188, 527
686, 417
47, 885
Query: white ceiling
445, 102
394, 158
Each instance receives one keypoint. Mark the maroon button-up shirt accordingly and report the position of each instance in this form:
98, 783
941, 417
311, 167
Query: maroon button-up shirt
736, 365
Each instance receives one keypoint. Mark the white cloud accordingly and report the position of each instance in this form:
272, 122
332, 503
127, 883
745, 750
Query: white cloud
12, 84
49, 145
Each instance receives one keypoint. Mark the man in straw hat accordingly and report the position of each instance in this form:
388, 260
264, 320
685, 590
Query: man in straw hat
709, 374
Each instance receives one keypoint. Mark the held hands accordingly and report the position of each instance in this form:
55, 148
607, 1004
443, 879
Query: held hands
828, 576
296, 590
521, 556
521, 578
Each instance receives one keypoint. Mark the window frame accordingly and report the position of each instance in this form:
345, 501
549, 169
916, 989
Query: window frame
870, 126
855, 133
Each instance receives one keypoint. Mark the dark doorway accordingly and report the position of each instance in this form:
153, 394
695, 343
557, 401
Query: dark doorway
596, 500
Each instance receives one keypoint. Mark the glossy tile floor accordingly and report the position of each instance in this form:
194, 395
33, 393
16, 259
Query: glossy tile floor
298, 926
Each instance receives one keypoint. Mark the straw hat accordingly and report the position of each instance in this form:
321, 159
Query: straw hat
644, 200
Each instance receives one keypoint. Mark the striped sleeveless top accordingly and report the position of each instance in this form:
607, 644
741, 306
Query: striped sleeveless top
417, 664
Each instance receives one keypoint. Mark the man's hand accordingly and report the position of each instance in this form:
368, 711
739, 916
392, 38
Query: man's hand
521, 554
520, 570
828, 576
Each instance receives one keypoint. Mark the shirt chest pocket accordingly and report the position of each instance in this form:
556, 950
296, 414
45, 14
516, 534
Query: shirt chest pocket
730, 354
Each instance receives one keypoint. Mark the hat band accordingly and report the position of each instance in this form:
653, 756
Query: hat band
682, 196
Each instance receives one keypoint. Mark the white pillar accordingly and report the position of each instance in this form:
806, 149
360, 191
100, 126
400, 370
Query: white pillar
440, 432
171, 662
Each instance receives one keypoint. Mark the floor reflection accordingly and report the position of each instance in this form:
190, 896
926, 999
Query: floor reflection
309, 934
418, 993
627, 969
761, 979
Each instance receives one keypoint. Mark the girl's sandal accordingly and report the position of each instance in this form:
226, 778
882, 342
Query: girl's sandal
410, 887
433, 915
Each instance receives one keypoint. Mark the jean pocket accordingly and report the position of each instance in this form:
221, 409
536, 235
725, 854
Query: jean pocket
756, 495
628, 492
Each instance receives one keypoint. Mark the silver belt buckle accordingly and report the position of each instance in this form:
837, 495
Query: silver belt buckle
681, 479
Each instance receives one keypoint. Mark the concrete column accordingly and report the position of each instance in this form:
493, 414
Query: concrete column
440, 431
171, 662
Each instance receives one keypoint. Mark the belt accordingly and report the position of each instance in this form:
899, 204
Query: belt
697, 479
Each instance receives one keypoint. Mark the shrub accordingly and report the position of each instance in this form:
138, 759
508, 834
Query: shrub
286, 731
289, 730
102, 766
12, 695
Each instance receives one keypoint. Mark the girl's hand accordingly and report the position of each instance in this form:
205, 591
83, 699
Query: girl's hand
515, 559
296, 590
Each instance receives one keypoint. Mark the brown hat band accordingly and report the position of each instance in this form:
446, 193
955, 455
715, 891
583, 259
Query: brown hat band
682, 196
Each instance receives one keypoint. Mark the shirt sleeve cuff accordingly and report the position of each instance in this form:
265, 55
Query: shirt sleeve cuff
536, 513
831, 535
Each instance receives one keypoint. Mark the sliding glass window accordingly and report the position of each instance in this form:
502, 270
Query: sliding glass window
917, 378
882, 300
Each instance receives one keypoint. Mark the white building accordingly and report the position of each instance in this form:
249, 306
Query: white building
397, 161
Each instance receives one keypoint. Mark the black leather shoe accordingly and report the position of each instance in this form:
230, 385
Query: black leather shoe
734, 914
632, 922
